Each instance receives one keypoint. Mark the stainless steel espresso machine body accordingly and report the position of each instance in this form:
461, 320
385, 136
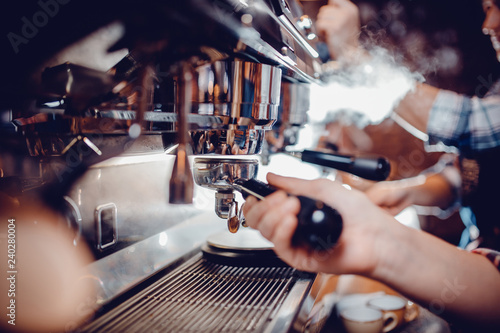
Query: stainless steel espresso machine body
137, 157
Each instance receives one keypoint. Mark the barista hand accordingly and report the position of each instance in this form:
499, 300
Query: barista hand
437, 189
276, 219
338, 23
393, 196
373, 244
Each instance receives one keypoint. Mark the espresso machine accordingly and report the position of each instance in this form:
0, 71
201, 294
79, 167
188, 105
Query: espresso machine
143, 161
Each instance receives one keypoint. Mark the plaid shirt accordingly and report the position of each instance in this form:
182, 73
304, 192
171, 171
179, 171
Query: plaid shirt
471, 124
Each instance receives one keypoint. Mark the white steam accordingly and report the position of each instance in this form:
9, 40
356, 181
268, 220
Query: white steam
370, 89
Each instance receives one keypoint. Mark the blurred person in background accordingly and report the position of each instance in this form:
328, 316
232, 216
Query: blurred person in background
338, 22
46, 286
463, 286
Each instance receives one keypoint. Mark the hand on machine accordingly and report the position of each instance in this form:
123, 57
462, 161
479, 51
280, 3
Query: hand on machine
319, 225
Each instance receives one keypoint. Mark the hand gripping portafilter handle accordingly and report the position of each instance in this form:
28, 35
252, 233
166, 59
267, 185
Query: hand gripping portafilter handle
369, 167
319, 225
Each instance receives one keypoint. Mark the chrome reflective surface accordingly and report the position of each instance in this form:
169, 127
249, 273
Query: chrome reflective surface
181, 185
219, 173
119, 271
247, 91
136, 186
227, 142
227, 106
294, 105
202, 140
295, 102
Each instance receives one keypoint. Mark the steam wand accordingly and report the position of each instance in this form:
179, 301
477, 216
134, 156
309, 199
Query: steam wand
375, 168
181, 185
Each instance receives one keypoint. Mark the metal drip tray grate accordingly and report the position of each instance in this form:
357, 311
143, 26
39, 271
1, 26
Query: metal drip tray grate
200, 296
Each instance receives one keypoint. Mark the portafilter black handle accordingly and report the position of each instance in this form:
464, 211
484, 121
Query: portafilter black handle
319, 225
369, 167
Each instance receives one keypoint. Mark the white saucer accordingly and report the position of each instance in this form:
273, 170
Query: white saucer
244, 239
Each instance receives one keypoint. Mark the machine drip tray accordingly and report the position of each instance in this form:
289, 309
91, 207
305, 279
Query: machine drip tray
202, 296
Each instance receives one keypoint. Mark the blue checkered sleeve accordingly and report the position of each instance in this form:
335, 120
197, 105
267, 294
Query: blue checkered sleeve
468, 123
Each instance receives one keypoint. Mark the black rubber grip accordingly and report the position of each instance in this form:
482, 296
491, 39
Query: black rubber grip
319, 225
369, 167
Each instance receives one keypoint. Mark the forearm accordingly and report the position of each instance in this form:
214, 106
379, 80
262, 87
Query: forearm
428, 270
448, 281
415, 107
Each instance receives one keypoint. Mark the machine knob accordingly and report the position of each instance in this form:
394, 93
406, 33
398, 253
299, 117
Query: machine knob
307, 24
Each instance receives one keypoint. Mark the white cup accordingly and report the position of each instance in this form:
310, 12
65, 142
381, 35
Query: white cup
355, 300
367, 320
405, 311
